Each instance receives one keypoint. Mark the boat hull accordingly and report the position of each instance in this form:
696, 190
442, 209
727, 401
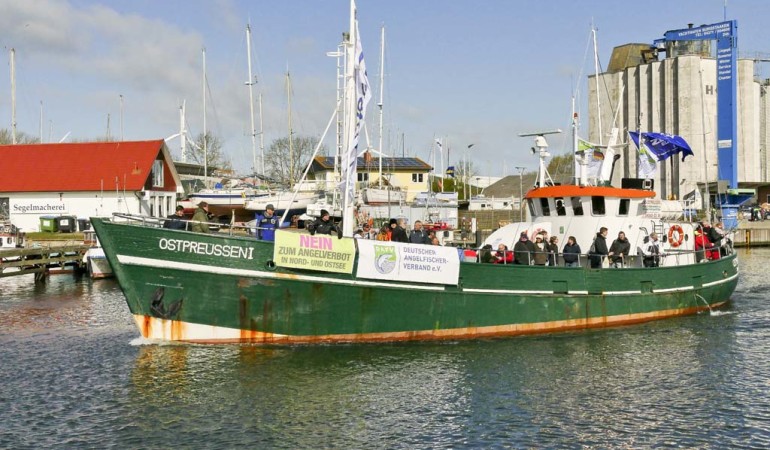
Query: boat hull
201, 288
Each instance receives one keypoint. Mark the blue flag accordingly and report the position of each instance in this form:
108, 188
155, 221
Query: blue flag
662, 145
450, 171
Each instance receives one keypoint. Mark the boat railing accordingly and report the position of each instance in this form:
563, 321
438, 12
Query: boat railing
158, 222
679, 257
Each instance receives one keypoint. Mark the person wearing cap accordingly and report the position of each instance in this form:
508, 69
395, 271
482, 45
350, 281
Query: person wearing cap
399, 232
266, 224
324, 225
523, 250
651, 251
200, 219
367, 232
176, 221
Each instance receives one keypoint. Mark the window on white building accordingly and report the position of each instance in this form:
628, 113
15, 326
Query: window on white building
157, 173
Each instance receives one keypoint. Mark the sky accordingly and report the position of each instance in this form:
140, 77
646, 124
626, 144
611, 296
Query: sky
464, 71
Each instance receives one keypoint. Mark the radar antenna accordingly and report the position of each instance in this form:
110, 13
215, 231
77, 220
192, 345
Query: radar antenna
540, 148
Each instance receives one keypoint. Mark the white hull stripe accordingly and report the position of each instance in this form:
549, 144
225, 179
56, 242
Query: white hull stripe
151, 262
619, 293
164, 264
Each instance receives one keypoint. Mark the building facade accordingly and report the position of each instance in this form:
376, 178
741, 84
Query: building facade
677, 95
85, 180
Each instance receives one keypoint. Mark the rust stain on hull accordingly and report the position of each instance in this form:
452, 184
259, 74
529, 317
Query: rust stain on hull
154, 328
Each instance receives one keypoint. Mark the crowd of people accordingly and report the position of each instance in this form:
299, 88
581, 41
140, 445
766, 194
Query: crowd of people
544, 251
396, 230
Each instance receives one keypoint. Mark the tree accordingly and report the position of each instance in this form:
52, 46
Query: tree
287, 166
213, 152
562, 166
6, 137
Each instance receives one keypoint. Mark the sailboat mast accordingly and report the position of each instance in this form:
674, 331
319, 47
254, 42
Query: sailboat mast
250, 83
182, 133
13, 96
596, 80
291, 147
382, 84
261, 135
205, 146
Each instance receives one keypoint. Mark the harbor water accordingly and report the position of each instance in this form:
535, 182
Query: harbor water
74, 374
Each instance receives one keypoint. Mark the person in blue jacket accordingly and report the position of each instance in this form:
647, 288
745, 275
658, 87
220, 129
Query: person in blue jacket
267, 222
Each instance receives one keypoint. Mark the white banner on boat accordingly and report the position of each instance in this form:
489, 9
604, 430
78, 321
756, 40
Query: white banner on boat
407, 262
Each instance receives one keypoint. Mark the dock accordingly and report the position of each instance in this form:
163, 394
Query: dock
40, 260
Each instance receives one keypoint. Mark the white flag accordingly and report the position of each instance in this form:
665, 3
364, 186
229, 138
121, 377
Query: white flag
363, 95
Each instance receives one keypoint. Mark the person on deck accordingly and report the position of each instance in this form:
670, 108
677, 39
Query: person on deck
176, 221
418, 234
486, 255
324, 225
599, 249
541, 255
399, 231
267, 222
504, 256
715, 236
702, 246
523, 250
652, 251
552, 247
384, 233
200, 219
619, 250
571, 252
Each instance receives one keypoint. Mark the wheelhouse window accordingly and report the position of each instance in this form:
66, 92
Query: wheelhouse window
597, 206
560, 209
545, 207
531, 207
625, 205
577, 206
157, 173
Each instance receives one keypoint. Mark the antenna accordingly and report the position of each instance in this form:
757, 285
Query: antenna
540, 147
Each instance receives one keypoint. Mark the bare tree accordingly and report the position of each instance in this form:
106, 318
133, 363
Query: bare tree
286, 166
6, 137
213, 151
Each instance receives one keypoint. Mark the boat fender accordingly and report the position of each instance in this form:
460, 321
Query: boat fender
675, 235
270, 264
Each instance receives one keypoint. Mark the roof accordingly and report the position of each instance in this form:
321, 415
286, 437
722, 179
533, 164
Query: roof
322, 163
586, 191
90, 166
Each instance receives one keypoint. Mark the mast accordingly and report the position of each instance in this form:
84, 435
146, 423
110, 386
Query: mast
182, 133
205, 144
250, 84
596, 80
291, 147
382, 84
13, 96
261, 135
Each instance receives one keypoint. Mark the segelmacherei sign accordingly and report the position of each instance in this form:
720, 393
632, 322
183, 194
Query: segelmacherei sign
408, 262
39, 207
317, 252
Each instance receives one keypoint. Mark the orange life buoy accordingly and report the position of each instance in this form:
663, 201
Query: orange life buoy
675, 242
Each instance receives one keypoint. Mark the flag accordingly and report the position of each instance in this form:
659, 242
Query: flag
450, 171
362, 95
592, 156
647, 165
664, 146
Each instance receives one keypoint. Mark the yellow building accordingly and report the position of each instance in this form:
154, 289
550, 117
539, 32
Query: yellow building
407, 174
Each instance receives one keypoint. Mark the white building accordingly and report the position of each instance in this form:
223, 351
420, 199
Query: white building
85, 180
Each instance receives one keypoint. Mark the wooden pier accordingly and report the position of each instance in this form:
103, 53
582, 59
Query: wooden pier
40, 260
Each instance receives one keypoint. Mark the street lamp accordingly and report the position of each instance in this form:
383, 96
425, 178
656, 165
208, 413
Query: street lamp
521, 193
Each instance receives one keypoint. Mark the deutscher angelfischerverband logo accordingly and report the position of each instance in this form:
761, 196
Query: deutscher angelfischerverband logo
385, 258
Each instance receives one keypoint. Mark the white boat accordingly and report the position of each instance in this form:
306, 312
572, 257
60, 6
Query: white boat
98, 266
382, 196
436, 199
482, 203
283, 200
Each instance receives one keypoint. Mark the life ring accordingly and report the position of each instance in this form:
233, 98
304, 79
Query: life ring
679, 235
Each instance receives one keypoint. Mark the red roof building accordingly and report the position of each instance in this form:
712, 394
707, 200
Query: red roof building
86, 179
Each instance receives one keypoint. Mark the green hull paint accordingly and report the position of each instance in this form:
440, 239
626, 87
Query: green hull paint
302, 306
